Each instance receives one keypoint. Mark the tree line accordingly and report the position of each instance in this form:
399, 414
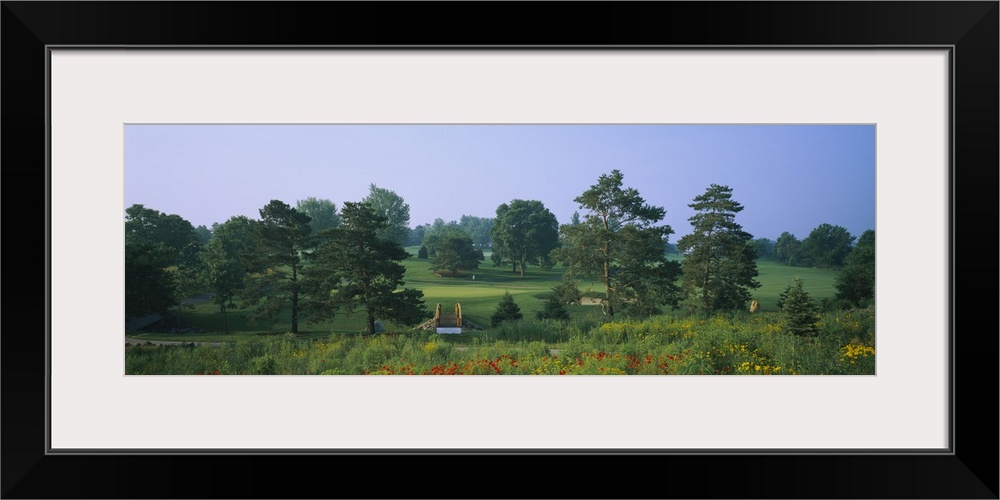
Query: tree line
309, 259
316, 261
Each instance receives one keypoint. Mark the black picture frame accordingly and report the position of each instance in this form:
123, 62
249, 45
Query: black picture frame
970, 28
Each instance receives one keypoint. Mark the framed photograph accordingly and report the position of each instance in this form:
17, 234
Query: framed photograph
921, 77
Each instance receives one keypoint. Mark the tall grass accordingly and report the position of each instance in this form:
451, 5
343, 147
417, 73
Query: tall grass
739, 344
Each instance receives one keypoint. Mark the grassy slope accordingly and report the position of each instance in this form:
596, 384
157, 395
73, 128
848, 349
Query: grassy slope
479, 299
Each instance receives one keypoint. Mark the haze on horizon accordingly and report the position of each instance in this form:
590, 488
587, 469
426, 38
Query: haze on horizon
788, 177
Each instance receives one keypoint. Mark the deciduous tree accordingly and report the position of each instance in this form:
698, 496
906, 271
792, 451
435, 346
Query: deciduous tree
456, 253
204, 234
856, 281
827, 246
322, 213
438, 233
567, 291
226, 261
152, 226
764, 248
788, 250
160, 255
478, 228
524, 232
396, 212
149, 285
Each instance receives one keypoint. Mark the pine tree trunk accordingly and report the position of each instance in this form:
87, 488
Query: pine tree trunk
295, 301
708, 269
607, 279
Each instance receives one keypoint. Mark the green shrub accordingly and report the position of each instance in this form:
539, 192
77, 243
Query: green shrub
553, 309
507, 310
264, 365
799, 310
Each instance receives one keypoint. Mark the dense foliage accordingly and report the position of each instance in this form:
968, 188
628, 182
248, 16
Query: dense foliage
720, 265
390, 205
507, 310
456, 252
358, 270
161, 253
524, 232
282, 237
856, 281
619, 243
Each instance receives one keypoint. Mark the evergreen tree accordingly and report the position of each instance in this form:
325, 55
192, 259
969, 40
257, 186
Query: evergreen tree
856, 281
619, 243
282, 237
575, 219
422, 253
553, 309
507, 310
720, 266
799, 310
356, 269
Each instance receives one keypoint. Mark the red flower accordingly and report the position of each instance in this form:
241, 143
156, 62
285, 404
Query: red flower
217, 372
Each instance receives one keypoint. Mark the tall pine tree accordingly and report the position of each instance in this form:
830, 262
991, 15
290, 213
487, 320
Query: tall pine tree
720, 265
619, 243
283, 235
358, 270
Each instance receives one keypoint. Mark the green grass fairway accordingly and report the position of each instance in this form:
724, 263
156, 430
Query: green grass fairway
478, 298
773, 278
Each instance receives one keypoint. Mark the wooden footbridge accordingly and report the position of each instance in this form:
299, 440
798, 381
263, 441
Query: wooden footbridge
448, 322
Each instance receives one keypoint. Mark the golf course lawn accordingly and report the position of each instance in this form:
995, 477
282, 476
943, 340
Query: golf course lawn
478, 298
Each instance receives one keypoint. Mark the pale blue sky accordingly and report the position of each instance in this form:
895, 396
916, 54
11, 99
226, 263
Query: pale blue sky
788, 177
